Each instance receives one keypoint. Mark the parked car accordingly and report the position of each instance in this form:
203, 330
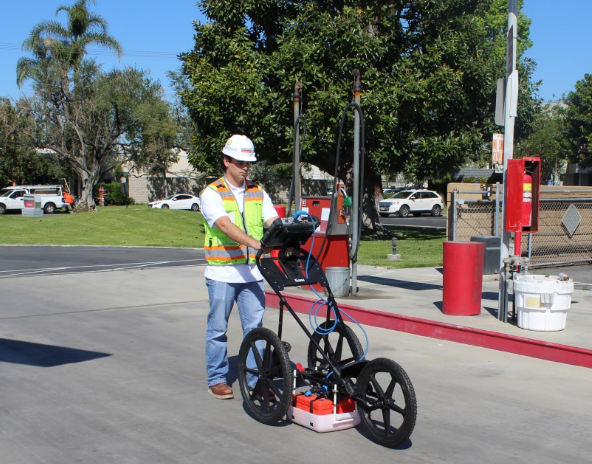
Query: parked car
13, 198
179, 201
412, 202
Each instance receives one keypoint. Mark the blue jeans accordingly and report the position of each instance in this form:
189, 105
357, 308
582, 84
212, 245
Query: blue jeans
250, 299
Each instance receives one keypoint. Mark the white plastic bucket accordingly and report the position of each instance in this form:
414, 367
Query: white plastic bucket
542, 302
338, 279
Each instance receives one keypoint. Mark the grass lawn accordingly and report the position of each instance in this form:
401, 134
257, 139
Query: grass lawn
417, 247
136, 225
139, 225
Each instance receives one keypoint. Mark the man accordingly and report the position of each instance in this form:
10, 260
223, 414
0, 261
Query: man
235, 210
69, 200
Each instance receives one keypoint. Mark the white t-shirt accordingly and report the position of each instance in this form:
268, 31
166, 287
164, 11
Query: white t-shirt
213, 209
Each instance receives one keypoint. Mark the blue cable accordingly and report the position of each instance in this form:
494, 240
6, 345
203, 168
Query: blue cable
316, 327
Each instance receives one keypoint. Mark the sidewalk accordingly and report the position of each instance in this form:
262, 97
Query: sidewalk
410, 300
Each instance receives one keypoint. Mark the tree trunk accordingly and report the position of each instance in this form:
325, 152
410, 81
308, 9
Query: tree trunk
88, 183
371, 192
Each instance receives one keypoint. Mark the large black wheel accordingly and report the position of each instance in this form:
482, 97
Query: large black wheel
265, 376
387, 406
49, 208
404, 211
436, 210
2, 208
342, 346
195, 207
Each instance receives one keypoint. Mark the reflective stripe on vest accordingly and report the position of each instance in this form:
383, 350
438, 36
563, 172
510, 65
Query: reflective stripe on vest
219, 248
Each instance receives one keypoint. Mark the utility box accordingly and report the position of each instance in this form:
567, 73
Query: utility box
491, 257
32, 205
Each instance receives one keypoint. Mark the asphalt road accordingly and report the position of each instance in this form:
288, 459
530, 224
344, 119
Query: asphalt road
423, 221
17, 261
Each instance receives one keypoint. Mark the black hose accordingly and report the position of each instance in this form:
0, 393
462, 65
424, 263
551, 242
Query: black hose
333, 207
292, 193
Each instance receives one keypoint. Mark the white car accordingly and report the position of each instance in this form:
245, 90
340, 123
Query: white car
412, 202
179, 201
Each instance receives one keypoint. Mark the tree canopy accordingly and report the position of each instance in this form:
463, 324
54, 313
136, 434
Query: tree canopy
20, 163
578, 120
429, 71
93, 121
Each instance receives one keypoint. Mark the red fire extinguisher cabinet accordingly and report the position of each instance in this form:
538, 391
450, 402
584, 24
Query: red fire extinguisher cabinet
522, 198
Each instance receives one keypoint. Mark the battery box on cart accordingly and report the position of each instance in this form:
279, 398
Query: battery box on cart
320, 414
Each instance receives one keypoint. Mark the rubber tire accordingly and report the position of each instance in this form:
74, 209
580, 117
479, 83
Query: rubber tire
377, 397
273, 371
165, 207
384, 215
335, 342
2, 208
195, 207
436, 210
49, 208
404, 211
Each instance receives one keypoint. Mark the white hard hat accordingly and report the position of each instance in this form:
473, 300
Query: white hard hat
240, 148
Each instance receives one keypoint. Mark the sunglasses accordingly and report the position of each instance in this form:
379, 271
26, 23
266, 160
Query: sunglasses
240, 164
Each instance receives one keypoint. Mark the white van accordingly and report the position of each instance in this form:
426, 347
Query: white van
12, 198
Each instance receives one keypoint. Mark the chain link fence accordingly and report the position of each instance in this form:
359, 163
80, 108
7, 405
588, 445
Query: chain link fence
565, 225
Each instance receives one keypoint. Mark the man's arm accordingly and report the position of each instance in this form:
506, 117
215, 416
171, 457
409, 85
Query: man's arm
232, 231
269, 221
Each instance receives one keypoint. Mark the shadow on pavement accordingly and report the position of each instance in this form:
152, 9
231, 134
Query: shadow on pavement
37, 354
399, 283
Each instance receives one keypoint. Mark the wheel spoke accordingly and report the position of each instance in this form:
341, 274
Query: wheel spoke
377, 387
339, 348
256, 354
386, 417
267, 358
396, 408
391, 388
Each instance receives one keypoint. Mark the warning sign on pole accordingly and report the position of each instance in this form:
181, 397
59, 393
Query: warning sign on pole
497, 156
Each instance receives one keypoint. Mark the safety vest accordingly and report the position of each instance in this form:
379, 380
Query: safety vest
219, 248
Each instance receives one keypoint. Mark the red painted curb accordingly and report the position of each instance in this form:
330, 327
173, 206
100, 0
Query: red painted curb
454, 333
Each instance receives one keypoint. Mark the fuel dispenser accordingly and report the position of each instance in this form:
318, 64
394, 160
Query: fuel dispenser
335, 242
330, 242
523, 179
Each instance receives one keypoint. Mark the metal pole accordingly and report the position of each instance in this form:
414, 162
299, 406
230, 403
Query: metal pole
510, 104
296, 173
356, 182
454, 213
497, 204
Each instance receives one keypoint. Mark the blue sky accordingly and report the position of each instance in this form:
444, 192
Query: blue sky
153, 33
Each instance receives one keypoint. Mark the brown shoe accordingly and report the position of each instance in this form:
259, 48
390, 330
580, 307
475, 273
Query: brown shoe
221, 391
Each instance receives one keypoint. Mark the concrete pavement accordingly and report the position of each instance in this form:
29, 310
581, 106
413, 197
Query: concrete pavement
410, 300
108, 367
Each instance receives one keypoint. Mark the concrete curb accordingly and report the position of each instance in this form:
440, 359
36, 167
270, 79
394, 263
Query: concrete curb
440, 330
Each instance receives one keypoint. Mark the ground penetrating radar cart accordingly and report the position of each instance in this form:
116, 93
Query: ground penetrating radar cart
339, 387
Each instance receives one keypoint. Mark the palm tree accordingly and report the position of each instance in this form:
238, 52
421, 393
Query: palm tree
55, 46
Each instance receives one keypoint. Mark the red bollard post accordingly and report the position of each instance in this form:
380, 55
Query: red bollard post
463, 278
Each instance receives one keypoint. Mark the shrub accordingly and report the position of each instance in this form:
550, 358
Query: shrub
113, 194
